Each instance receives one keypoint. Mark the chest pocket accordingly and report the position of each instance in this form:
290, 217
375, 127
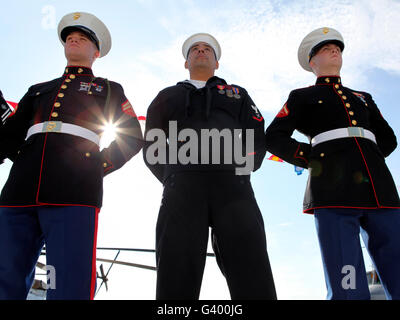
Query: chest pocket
227, 105
360, 110
42, 99
43, 95
98, 90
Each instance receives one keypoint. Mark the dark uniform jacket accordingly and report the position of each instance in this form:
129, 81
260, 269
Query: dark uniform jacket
216, 106
64, 169
345, 172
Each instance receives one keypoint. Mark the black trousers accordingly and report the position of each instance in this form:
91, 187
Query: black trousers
194, 201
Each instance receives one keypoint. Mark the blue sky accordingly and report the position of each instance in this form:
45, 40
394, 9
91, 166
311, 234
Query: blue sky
259, 41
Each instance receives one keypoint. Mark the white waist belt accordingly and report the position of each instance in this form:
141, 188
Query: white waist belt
343, 133
60, 127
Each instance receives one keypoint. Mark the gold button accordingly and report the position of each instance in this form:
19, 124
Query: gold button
90, 92
351, 113
54, 114
320, 101
366, 104
340, 91
37, 93
301, 153
337, 86
354, 122
64, 86
60, 95
348, 105
66, 70
87, 154
344, 97
67, 80
322, 155
338, 80
72, 76
57, 104
105, 165
327, 80
80, 70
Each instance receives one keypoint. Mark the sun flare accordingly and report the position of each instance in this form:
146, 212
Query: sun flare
108, 135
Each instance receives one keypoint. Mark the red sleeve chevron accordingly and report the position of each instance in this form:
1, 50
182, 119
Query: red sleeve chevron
128, 109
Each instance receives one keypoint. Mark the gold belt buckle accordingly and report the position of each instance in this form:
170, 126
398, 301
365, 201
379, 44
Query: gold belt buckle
52, 126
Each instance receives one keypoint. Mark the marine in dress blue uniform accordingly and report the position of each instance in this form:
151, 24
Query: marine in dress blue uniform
349, 186
54, 191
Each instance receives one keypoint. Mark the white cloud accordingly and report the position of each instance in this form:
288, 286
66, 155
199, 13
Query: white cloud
260, 40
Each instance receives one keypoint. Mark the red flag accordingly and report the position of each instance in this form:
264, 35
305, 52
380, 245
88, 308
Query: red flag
13, 104
14, 107
275, 158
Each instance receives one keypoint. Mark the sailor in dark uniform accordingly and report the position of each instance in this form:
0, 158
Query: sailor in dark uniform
349, 184
200, 193
54, 191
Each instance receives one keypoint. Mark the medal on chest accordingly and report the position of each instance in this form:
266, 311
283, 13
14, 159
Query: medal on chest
85, 87
221, 89
361, 97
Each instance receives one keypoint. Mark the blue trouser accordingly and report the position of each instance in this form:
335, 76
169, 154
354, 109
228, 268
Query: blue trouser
338, 233
69, 233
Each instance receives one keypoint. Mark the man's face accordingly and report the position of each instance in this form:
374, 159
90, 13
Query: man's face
329, 55
78, 47
201, 55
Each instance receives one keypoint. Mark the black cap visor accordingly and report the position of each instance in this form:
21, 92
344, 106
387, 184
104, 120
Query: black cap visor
314, 50
89, 33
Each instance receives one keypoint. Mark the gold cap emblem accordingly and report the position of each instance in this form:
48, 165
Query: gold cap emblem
325, 30
77, 16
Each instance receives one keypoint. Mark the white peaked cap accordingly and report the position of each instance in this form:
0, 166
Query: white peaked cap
315, 40
90, 25
201, 37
